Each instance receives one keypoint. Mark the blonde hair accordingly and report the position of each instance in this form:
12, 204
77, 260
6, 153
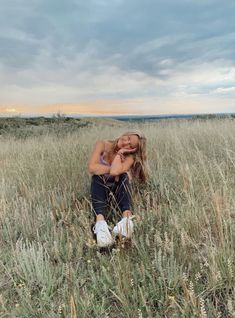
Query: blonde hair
139, 167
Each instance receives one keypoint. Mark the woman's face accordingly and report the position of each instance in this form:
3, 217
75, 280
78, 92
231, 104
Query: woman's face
128, 141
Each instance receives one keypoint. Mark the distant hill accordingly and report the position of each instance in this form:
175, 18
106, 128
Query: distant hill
175, 116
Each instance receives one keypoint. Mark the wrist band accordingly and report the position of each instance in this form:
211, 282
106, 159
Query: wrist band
121, 155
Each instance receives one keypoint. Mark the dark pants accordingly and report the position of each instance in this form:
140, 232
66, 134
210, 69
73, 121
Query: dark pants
103, 187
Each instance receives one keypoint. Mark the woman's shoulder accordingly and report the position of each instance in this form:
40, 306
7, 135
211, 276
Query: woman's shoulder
100, 143
103, 145
99, 146
107, 145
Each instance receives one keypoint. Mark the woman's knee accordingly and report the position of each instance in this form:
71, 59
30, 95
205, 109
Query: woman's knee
124, 176
96, 177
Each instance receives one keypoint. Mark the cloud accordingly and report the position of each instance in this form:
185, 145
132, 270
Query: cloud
68, 52
224, 90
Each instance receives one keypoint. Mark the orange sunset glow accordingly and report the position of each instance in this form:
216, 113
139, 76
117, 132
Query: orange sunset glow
124, 107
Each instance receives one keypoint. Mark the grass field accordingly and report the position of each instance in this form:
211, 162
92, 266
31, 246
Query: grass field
181, 262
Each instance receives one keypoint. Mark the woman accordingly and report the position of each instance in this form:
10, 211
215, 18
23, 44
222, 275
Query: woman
113, 164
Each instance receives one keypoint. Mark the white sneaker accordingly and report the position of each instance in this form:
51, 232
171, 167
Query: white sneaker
125, 227
103, 236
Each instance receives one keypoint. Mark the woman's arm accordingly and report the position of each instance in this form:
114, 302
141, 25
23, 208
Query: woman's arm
119, 166
94, 165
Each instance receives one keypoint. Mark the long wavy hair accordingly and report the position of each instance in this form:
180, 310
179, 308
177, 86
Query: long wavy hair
139, 169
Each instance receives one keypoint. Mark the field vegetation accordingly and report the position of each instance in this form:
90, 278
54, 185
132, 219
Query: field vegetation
181, 260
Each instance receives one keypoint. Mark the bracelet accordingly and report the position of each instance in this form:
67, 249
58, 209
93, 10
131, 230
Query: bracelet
121, 155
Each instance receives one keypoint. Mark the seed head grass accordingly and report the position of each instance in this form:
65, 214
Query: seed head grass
180, 262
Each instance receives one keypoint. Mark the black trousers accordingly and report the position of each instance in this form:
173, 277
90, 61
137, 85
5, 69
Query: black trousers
103, 187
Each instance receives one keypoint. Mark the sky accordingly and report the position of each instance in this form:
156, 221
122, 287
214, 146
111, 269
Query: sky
117, 57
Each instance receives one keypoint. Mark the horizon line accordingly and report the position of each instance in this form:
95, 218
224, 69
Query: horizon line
31, 115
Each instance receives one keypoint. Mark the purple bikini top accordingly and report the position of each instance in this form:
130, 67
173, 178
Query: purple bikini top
103, 161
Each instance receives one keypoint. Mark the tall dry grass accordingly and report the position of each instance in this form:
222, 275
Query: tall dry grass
181, 263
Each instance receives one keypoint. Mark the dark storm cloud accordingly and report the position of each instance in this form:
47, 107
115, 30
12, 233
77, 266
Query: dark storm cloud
54, 41
195, 30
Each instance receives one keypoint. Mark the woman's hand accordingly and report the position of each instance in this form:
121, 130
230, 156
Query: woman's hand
121, 152
126, 151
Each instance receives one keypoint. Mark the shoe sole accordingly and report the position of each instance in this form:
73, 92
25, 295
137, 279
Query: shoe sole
95, 238
106, 245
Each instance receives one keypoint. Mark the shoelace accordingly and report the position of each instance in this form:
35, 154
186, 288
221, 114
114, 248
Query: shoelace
102, 230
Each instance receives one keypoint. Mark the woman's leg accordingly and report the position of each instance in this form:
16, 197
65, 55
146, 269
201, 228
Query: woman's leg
99, 195
123, 195
124, 201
